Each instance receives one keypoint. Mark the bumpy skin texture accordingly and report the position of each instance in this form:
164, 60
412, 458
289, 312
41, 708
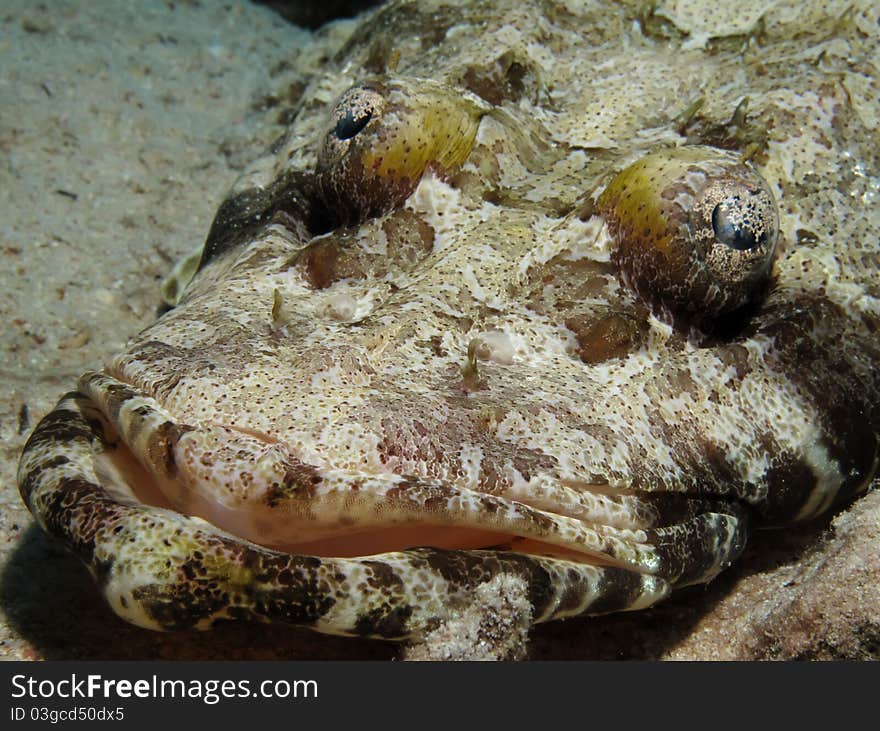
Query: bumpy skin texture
415, 359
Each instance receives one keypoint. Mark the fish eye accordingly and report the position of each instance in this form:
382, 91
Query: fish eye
351, 122
380, 139
350, 116
694, 229
738, 222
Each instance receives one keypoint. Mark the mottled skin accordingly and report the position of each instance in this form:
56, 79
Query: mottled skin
448, 330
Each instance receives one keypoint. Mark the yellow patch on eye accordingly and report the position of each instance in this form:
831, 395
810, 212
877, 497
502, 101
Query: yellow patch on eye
632, 200
440, 131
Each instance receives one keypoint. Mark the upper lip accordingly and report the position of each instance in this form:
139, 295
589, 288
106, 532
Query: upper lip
251, 485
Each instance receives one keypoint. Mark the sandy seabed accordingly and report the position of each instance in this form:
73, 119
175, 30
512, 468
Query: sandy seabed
121, 127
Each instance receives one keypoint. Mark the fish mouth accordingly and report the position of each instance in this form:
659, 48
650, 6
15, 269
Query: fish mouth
178, 535
254, 487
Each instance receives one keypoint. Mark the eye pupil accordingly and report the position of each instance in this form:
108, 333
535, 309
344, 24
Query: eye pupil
349, 124
731, 226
